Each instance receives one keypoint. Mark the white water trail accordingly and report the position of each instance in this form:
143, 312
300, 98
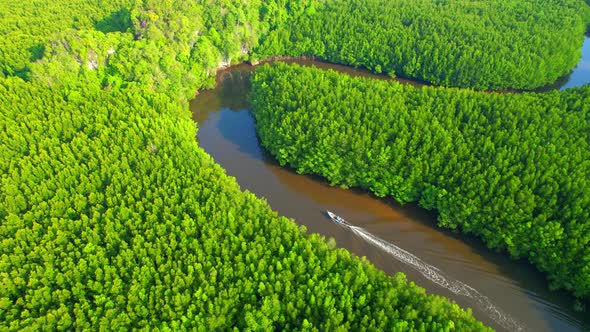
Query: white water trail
435, 275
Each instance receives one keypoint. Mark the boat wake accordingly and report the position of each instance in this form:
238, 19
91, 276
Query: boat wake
435, 275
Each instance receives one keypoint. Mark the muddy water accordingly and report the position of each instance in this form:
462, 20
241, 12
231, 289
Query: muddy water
227, 132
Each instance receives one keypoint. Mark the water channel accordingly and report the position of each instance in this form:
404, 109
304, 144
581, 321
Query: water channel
227, 132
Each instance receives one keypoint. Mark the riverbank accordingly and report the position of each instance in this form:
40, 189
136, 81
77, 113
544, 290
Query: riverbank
227, 133
496, 141
579, 75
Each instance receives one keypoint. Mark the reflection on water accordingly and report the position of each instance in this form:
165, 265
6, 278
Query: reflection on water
227, 132
581, 74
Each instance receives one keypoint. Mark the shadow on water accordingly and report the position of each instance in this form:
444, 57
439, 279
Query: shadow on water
245, 140
227, 132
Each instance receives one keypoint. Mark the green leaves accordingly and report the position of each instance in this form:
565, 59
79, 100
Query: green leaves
510, 168
113, 218
481, 45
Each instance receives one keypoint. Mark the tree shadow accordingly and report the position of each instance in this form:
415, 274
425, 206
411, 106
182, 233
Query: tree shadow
37, 51
119, 21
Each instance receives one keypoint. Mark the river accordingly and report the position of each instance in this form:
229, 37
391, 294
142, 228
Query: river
227, 133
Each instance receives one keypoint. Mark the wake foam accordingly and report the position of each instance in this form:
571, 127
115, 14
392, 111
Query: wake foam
437, 276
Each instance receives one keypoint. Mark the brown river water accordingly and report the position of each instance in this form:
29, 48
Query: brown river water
504, 294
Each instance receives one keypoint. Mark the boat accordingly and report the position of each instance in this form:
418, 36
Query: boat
337, 219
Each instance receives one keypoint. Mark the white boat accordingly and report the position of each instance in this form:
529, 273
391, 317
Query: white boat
337, 219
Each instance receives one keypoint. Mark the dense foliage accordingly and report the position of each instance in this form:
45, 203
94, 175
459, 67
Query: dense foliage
492, 44
513, 169
112, 217
480, 44
177, 45
27, 26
